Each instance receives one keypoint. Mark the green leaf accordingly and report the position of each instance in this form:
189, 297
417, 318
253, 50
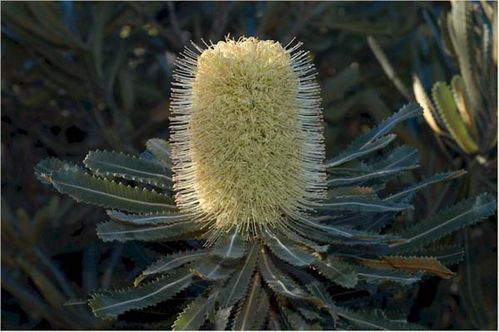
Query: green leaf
193, 316
173, 261
378, 276
148, 219
278, 281
442, 95
287, 250
236, 287
213, 268
376, 138
456, 217
108, 194
338, 271
402, 195
231, 246
448, 255
222, 318
113, 231
374, 320
114, 303
351, 154
360, 203
161, 150
254, 310
113, 164
46, 167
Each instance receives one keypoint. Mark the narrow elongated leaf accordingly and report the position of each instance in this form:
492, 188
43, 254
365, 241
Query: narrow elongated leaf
410, 264
287, 250
376, 138
295, 321
456, 217
361, 151
429, 113
161, 150
254, 310
113, 231
447, 109
319, 294
338, 271
448, 255
231, 246
278, 281
377, 276
193, 316
367, 176
425, 183
148, 219
213, 268
236, 287
173, 261
115, 164
46, 167
108, 194
222, 318
374, 320
360, 204
111, 305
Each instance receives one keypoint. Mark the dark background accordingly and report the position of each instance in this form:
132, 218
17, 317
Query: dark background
85, 76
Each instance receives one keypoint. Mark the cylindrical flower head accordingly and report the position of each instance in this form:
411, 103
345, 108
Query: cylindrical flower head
247, 135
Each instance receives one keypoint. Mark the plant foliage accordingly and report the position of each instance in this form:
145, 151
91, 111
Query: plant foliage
282, 277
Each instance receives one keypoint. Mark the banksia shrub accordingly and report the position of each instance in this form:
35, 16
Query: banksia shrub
464, 112
275, 224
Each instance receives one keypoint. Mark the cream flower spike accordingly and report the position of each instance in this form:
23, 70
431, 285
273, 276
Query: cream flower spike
247, 135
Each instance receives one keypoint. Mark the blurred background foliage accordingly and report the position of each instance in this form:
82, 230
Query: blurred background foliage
79, 76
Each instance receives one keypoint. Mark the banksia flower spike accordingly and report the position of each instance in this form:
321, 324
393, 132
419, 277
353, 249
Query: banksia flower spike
275, 225
247, 141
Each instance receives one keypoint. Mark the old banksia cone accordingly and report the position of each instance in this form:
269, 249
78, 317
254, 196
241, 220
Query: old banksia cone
247, 143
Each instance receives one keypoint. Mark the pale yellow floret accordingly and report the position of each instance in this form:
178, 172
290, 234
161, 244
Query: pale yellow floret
247, 136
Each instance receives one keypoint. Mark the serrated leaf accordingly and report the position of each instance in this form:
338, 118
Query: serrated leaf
376, 138
236, 287
230, 246
377, 276
463, 214
425, 183
222, 318
447, 109
319, 294
115, 164
173, 261
148, 219
410, 264
111, 305
108, 194
361, 151
374, 320
338, 271
429, 113
193, 316
161, 150
278, 281
360, 203
448, 255
213, 268
46, 167
463, 105
113, 231
287, 250
253, 311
